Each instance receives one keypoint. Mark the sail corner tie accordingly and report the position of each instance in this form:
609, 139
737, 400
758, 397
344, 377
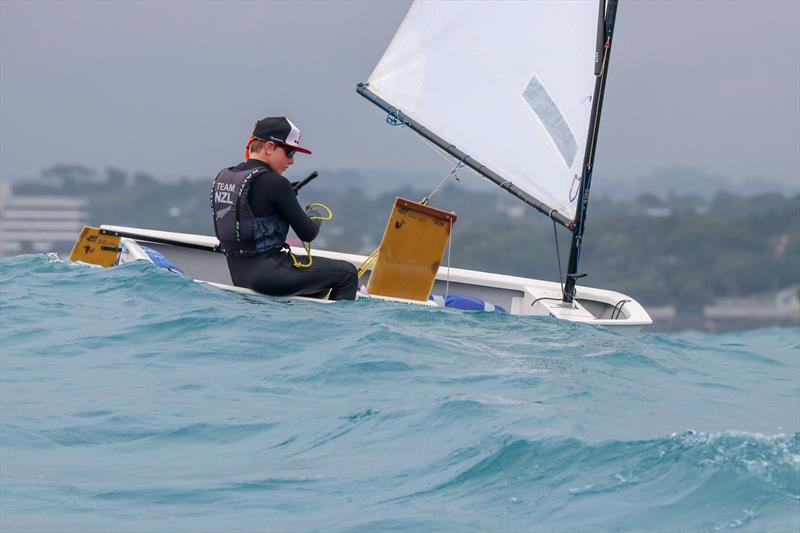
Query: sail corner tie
393, 119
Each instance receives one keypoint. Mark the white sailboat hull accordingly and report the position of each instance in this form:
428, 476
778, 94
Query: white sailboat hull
194, 255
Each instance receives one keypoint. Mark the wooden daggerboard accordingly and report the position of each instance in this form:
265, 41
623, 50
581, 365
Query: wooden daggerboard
411, 250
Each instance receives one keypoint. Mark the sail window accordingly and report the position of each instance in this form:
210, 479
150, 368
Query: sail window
543, 107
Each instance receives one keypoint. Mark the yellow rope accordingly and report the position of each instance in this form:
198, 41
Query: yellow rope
306, 245
369, 262
329, 216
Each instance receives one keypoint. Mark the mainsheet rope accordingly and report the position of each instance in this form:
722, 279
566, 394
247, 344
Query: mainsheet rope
447, 279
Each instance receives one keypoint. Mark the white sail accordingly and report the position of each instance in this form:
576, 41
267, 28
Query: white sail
508, 83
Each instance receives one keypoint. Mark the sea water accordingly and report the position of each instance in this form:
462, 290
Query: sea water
133, 399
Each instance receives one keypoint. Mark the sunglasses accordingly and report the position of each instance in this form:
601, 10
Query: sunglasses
289, 151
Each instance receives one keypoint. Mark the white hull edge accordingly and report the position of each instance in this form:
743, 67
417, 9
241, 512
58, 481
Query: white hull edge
518, 295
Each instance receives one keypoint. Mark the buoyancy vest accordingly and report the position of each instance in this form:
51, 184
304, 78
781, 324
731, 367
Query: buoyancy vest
239, 231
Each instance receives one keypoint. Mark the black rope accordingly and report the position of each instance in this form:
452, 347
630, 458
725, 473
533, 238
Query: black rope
544, 298
558, 255
618, 309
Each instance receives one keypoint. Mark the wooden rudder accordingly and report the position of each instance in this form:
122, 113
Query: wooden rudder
95, 248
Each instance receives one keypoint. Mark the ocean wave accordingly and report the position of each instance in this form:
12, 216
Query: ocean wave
133, 392
114, 431
740, 472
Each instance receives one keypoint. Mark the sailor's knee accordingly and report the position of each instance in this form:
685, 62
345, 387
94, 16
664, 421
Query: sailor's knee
352, 272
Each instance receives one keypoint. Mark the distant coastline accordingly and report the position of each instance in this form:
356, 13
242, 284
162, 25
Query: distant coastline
710, 262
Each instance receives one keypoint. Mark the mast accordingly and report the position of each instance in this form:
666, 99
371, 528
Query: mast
605, 33
451, 149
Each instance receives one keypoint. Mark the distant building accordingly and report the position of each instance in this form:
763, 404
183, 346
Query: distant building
781, 304
657, 212
788, 298
39, 224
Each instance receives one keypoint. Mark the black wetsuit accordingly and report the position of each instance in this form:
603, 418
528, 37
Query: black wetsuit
272, 272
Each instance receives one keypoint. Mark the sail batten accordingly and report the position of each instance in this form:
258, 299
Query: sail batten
547, 111
509, 83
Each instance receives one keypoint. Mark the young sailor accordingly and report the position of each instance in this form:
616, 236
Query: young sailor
254, 206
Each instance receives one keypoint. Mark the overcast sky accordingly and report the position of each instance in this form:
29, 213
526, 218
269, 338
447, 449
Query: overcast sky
173, 88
